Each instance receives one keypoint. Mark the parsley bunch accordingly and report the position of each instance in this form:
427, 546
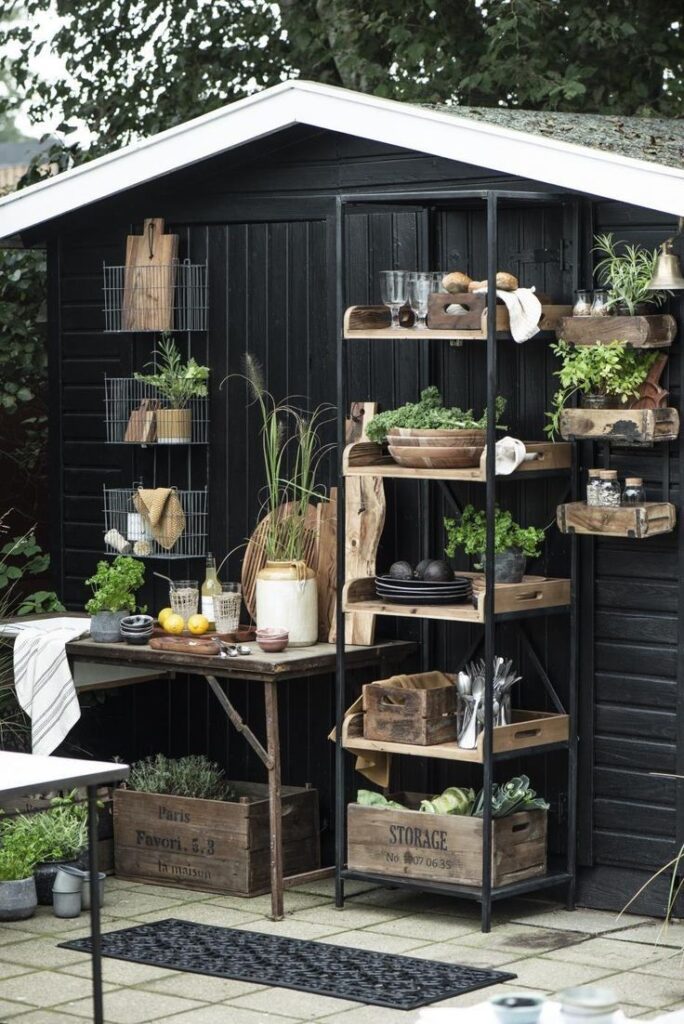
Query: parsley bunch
429, 413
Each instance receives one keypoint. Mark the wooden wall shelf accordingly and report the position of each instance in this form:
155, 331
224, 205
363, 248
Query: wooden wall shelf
511, 599
365, 458
373, 322
656, 331
628, 426
528, 730
638, 521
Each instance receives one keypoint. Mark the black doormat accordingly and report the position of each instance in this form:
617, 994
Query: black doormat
381, 979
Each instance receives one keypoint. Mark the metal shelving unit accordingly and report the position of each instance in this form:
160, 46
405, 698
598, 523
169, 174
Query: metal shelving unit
489, 617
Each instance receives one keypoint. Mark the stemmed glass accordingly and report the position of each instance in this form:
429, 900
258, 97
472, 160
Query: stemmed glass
420, 287
393, 284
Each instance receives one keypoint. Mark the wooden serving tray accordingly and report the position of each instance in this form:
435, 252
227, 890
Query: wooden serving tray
185, 645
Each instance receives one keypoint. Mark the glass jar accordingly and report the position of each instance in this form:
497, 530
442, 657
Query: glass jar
582, 305
609, 488
593, 486
600, 303
633, 493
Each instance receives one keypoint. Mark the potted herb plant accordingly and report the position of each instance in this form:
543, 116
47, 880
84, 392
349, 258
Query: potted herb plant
513, 544
55, 837
114, 585
176, 383
627, 271
18, 899
286, 589
605, 376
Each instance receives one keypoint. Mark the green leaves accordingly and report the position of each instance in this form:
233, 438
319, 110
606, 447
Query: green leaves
177, 382
114, 585
428, 414
627, 271
470, 533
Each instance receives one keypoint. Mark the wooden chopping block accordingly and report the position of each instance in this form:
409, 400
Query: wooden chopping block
184, 645
149, 278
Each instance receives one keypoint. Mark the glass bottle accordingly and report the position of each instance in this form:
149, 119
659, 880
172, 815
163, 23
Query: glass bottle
210, 587
593, 486
609, 488
582, 305
633, 493
600, 303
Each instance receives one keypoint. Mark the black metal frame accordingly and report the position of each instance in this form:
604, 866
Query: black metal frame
486, 893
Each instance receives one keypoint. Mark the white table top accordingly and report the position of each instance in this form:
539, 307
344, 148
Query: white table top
29, 773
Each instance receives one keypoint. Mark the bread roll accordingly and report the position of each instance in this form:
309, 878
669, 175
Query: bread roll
455, 282
476, 286
506, 282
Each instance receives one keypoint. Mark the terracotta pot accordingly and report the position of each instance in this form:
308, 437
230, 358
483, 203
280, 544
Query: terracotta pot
174, 426
287, 598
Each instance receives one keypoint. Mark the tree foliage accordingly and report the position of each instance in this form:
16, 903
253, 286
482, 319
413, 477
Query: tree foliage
135, 67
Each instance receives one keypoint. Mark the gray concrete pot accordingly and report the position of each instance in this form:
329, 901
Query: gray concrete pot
45, 874
509, 566
66, 904
105, 627
86, 889
18, 899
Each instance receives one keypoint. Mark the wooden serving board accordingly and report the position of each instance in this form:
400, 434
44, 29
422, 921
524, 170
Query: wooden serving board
149, 279
185, 645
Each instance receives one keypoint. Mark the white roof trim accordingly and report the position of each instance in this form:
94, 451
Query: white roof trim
551, 161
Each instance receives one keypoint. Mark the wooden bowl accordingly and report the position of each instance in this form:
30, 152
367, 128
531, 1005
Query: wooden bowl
464, 437
436, 458
428, 442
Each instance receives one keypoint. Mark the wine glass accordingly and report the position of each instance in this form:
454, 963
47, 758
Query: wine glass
393, 285
420, 287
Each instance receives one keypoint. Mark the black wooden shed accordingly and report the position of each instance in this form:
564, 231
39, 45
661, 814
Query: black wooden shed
252, 190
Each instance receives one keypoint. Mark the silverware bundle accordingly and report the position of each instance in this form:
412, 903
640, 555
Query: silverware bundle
471, 711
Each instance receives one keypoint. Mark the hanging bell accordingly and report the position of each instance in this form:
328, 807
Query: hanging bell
667, 275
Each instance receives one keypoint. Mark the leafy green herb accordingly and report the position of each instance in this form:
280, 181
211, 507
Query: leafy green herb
193, 776
60, 833
176, 382
509, 798
114, 585
429, 414
369, 798
627, 272
469, 533
614, 370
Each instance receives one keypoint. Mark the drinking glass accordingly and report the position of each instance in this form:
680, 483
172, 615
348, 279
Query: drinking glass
184, 598
227, 607
420, 287
393, 285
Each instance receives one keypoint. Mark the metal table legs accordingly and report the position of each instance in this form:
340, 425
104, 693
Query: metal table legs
96, 954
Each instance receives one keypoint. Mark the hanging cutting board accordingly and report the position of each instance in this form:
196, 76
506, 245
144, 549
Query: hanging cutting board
149, 279
326, 564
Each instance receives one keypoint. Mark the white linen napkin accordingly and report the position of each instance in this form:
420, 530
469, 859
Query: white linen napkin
42, 677
524, 311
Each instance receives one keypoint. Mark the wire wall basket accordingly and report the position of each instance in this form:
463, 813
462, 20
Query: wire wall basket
158, 297
135, 414
156, 522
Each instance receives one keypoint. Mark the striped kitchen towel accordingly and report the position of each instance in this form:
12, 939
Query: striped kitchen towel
42, 677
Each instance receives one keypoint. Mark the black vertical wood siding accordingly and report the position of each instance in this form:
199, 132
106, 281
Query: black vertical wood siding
264, 220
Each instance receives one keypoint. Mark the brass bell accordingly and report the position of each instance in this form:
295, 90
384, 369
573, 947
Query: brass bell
667, 275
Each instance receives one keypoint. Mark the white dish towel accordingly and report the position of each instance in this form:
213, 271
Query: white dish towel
42, 677
524, 312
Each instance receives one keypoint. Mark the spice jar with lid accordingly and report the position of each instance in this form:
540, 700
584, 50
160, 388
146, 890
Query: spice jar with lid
609, 488
593, 486
582, 305
633, 493
600, 304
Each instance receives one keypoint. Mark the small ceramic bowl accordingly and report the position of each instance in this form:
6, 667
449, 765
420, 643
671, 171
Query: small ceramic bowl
272, 641
517, 1007
271, 633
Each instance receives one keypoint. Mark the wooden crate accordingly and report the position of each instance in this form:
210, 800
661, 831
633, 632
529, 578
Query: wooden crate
647, 520
444, 847
213, 845
422, 717
627, 426
655, 331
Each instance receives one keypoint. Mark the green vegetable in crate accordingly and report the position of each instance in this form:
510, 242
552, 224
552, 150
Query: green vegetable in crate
453, 800
509, 798
367, 798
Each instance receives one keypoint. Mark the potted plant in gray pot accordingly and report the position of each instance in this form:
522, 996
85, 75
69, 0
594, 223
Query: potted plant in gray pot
114, 585
18, 897
513, 544
176, 384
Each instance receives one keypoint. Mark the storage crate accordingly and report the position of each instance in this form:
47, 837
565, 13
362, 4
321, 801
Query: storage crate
444, 847
422, 717
213, 845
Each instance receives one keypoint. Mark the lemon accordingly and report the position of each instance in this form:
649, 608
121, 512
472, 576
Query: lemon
163, 615
173, 623
198, 624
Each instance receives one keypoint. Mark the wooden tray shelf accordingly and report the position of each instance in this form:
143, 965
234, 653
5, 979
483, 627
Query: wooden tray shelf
657, 331
534, 593
528, 730
364, 458
373, 322
639, 521
627, 426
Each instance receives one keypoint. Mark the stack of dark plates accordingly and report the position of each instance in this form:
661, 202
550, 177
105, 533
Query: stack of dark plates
136, 629
414, 591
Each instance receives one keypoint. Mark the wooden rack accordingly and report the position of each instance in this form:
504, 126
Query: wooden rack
365, 458
373, 322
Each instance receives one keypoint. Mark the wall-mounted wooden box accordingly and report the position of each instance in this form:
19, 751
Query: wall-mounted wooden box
626, 426
647, 520
656, 331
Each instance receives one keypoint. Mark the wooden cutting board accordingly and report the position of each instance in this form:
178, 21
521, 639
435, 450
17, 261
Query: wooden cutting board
149, 279
326, 564
184, 645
